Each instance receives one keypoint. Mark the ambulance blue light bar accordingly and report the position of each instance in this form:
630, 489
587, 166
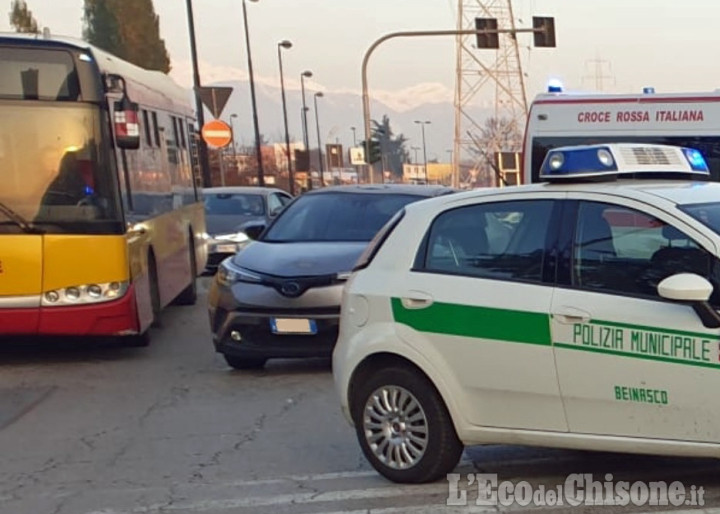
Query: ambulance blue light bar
607, 162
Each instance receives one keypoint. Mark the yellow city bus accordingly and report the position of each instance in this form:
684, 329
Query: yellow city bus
101, 223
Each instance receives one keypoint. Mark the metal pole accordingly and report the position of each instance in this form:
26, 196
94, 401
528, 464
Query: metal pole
424, 151
291, 178
258, 151
354, 138
306, 135
422, 33
200, 113
320, 155
221, 154
232, 130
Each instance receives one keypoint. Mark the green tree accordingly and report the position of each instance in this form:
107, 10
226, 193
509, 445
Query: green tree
101, 26
129, 29
393, 153
22, 19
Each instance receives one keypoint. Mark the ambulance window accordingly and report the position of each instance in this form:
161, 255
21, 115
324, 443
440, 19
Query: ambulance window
621, 250
503, 240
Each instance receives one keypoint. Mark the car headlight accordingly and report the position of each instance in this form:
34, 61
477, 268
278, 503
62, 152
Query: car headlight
228, 274
239, 237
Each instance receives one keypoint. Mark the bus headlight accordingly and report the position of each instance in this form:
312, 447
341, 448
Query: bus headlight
84, 294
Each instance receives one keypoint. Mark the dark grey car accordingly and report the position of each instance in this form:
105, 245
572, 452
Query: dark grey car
229, 209
280, 296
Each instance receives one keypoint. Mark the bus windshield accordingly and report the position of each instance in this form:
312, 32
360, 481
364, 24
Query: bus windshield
54, 172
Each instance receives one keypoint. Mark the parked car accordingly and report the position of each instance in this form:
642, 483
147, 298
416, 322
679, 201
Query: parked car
229, 209
580, 313
280, 296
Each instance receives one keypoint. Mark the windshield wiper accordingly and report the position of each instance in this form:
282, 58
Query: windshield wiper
27, 226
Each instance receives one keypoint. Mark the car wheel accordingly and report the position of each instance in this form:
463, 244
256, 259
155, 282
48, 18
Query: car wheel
236, 362
404, 428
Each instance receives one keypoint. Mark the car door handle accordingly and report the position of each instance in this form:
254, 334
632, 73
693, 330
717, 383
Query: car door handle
569, 315
417, 300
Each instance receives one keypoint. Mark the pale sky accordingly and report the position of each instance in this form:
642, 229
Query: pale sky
662, 43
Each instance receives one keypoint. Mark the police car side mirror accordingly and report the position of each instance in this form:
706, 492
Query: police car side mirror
694, 289
687, 287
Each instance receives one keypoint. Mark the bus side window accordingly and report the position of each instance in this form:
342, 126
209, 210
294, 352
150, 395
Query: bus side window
174, 122
146, 124
156, 129
181, 129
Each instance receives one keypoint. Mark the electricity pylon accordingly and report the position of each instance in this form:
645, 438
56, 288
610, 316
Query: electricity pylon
494, 75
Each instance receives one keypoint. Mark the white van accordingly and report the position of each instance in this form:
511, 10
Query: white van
564, 119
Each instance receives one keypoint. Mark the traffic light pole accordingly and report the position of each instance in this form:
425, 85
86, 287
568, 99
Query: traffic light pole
423, 33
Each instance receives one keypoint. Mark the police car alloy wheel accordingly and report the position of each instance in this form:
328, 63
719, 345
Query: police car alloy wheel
404, 428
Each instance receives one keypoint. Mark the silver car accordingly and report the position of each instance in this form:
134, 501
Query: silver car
280, 296
229, 209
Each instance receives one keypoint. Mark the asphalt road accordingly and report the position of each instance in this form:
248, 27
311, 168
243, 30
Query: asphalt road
101, 429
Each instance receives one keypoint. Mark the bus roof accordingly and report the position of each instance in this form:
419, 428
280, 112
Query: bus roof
149, 87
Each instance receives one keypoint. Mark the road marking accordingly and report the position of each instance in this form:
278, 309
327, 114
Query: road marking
289, 499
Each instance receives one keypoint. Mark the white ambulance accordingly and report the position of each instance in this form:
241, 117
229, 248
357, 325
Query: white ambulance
561, 119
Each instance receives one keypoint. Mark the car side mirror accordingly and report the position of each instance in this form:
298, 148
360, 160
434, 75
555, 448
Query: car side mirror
695, 290
253, 229
275, 211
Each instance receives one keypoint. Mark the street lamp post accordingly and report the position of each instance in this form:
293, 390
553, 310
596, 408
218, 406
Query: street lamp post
317, 95
286, 44
200, 113
354, 138
258, 150
422, 124
306, 136
415, 151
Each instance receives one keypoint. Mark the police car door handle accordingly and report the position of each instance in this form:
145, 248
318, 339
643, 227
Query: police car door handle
416, 300
569, 315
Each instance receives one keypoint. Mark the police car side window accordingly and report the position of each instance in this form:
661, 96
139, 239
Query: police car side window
621, 250
503, 240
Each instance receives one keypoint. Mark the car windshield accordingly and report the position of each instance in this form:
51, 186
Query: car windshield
706, 213
234, 204
336, 216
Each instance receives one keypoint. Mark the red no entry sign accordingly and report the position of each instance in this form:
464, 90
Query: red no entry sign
217, 133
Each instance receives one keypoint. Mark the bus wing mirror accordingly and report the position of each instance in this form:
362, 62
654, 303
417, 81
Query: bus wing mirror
127, 127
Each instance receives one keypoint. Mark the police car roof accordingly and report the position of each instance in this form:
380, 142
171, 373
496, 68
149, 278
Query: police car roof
676, 192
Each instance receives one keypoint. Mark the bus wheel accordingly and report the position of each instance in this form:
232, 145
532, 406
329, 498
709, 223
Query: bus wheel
188, 296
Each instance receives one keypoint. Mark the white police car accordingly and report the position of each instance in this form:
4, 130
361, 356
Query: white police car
578, 313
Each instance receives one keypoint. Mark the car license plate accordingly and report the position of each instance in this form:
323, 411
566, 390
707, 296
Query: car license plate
226, 248
293, 326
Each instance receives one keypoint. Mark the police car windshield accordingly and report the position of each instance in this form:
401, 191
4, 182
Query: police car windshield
706, 213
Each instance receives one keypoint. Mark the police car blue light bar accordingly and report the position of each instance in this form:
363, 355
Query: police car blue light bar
611, 160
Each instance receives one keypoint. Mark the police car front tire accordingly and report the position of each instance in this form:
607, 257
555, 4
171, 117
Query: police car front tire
404, 428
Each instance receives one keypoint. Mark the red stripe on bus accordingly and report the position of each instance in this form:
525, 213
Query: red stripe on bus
19, 321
